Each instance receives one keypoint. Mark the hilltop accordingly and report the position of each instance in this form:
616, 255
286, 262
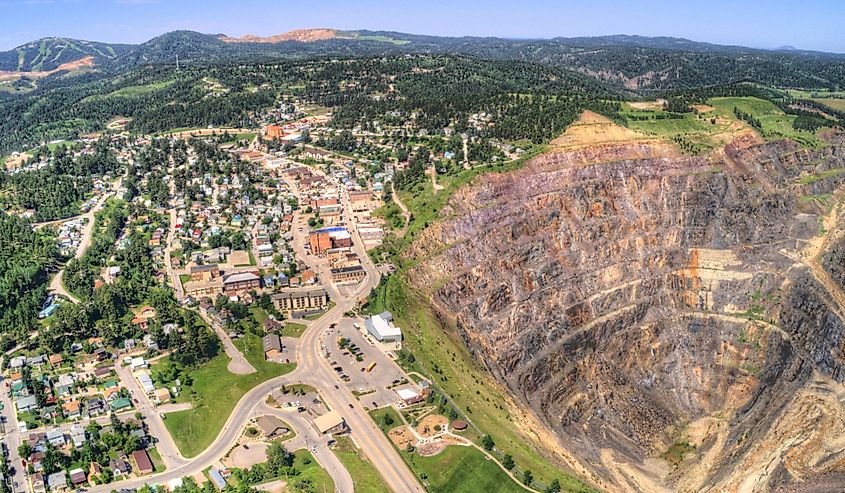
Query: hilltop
46, 54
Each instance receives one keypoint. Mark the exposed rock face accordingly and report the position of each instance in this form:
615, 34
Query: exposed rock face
634, 300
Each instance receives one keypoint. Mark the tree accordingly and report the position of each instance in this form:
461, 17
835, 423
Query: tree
488, 443
24, 450
507, 462
553, 487
527, 477
387, 420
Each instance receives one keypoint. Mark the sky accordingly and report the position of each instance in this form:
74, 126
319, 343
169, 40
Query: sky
808, 24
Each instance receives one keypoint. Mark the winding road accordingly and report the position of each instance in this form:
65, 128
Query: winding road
57, 283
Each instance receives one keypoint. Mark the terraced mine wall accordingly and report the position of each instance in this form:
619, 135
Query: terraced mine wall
635, 298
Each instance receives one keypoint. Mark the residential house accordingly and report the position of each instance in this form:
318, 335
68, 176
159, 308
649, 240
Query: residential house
142, 460
272, 345
65, 383
57, 481
56, 437
94, 472
26, 403
77, 436
78, 476
95, 407
120, 404
72, 409
119, 467
37, 480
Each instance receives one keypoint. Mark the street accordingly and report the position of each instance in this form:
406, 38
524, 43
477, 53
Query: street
312, 369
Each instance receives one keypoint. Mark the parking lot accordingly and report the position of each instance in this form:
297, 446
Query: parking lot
355, 358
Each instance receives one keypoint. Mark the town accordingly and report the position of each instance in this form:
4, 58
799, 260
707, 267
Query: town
231, 258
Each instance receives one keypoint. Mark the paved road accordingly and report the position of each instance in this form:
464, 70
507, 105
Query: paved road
165, 445
308, 437
312, 369
174, 278
238, 363
12, 439
56, 284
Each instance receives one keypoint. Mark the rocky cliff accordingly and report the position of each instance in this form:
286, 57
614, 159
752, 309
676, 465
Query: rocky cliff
637, 300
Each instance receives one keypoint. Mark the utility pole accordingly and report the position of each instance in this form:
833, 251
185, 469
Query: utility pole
177, 62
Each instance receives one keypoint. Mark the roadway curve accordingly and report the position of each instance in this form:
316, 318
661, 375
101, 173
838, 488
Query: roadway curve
57, 284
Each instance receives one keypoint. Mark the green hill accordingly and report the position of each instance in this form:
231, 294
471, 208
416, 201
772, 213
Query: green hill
48, 54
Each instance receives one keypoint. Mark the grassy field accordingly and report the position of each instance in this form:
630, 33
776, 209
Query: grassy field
245, 136
835, 103
379, 414
456, 469
290, 329
310, 473
776, 124
214, 393
367, 479
131, 91
293, 329
700, 131
155, 457
696, 133
461, 470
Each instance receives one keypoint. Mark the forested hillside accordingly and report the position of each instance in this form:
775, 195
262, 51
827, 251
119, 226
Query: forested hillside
25, 256
477, 74
47, 54
536, 101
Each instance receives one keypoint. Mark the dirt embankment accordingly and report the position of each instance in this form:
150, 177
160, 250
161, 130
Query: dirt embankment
303, 35
85, 62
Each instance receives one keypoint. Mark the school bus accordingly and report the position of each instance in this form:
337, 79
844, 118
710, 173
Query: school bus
371, 366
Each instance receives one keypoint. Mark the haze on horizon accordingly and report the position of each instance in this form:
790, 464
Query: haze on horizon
812, 25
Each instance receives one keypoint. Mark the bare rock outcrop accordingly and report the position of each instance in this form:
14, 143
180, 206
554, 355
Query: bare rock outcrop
635, 299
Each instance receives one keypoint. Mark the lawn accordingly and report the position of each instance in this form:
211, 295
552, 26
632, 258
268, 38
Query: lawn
214, 393
158, 464
461, 470
366, 478
379, 414
311, 473
293, 329
245, 136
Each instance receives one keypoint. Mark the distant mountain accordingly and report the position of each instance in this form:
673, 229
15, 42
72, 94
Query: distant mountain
633, 62
49, 54
187, 45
